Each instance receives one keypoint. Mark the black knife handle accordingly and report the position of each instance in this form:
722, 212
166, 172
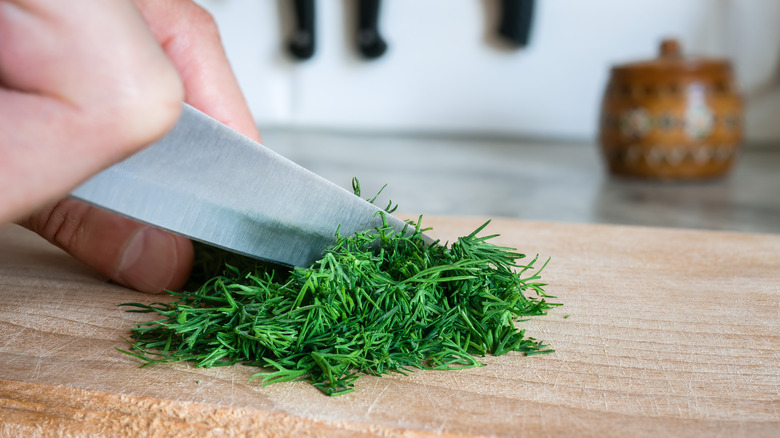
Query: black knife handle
370, 42
302, 41
516, 19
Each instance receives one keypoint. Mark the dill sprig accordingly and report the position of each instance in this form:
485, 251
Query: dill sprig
401, 305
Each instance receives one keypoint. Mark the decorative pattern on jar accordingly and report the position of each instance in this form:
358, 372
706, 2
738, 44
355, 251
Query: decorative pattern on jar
671, 118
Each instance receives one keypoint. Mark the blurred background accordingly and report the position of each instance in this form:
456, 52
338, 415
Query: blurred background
459, 120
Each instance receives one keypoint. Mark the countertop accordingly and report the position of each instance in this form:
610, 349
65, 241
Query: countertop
558, 181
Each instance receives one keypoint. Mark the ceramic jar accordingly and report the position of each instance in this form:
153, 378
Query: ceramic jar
673, 117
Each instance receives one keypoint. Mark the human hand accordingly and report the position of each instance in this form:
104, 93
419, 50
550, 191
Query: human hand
84, 84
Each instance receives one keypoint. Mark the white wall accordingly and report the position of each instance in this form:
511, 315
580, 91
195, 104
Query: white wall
444, 71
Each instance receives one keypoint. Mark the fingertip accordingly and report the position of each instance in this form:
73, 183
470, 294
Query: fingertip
129, 252
185, 256
153, 261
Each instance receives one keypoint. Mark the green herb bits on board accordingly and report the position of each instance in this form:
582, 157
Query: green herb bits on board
361, 309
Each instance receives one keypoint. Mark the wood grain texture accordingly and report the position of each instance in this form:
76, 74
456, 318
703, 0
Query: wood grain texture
669, 333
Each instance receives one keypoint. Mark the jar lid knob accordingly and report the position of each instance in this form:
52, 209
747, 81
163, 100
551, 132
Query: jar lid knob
670, 48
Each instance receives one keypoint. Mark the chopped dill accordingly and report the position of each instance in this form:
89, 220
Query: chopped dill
362, 309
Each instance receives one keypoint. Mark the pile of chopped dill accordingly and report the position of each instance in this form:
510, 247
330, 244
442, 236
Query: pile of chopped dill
402, 305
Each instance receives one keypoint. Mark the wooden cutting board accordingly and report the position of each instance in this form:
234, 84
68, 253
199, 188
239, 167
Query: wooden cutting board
662, 333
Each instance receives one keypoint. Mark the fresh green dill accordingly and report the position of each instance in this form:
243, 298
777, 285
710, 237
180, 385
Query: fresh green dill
362, 309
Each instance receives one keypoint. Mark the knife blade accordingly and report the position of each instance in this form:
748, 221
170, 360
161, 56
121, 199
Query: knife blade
210, 183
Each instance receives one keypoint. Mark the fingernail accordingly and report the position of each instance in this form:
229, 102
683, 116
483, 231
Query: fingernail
148, 261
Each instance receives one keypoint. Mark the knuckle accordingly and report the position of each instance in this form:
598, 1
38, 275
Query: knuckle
61, 223
201, 19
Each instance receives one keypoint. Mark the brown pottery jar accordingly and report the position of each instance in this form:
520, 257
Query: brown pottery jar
672, 118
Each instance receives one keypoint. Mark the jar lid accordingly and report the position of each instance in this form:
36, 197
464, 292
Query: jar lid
671, 60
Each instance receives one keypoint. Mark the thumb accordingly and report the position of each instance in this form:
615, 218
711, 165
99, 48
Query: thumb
131, 253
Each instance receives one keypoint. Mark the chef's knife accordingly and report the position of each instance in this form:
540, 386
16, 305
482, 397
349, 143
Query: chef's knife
212, 184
